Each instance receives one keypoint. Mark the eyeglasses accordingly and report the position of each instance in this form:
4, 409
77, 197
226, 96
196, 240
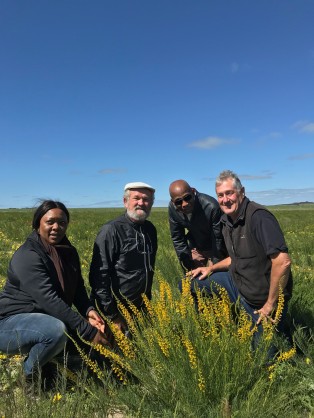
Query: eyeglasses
186, 198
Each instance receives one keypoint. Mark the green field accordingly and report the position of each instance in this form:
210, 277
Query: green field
185, 365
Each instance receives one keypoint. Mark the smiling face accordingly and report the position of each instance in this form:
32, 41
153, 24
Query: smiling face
138, 204
229, 198
53, 226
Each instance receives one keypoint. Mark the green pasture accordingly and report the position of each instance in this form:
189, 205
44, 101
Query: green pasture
231, 381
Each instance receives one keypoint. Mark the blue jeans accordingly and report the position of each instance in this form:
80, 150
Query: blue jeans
38, 335
224, 280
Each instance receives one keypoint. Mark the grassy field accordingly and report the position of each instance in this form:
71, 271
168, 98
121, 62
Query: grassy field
179, 364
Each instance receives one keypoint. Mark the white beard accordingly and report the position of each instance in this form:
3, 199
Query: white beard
138, 214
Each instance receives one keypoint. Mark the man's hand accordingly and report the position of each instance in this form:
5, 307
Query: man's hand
265, 313
201, 272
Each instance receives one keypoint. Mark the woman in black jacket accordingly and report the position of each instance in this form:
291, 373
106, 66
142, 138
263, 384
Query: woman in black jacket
44, 281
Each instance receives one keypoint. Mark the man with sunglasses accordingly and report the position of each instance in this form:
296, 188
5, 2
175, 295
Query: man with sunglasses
199, 214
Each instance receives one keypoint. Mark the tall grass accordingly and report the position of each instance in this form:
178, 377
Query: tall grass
179, 363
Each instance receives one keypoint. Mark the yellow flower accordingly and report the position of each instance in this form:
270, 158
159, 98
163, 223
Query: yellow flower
191, 351
287, 355
93, 365
164, 345
124, 343
148, 305
280, 305
186, 292
119, 373
308, 360
201, 382
245, 329
57, 397
127, 316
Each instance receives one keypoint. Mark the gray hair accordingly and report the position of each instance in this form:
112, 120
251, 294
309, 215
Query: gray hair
228, 174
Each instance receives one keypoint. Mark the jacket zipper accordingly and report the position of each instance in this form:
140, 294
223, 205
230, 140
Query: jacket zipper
145, 261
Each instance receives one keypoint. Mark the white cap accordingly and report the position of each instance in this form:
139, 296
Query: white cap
138, 185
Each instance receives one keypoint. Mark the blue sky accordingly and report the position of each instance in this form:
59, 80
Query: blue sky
95, 94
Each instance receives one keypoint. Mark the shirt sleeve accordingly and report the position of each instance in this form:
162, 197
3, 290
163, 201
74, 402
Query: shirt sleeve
268, 233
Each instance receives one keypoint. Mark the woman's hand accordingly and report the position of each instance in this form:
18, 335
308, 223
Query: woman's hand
96, 320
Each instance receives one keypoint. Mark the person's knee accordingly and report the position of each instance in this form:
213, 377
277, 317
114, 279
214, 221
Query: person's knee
55, 334
60, 333
202, 286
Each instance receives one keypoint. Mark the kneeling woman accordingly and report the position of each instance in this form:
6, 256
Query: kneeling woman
44, 280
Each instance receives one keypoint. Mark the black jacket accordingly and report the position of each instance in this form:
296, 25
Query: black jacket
33, 286
123, 263
204, 230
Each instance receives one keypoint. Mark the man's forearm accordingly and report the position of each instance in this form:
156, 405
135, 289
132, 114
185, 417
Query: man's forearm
280, 270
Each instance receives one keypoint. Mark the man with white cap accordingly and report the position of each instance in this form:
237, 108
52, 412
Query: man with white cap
124, 255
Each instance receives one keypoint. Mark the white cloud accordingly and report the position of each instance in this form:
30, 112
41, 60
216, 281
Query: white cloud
210, 142
308, 128
304, 126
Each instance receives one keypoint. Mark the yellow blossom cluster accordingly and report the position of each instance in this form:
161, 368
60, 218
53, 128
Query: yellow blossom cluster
207, 319
92, 365
163, 331
221, 307
184, 304
57, 397
190, 350
148, 306
245, 329
201, 382
164, 345
283, 357
124, 343
127, 316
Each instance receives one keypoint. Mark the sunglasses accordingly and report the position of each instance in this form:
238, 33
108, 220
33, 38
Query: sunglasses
186, 198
